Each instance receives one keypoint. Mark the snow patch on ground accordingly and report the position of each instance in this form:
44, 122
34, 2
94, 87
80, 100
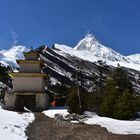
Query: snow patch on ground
51, 112
116, 126
113, 125
13, 124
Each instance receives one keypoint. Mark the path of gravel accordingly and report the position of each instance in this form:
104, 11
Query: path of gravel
45, 128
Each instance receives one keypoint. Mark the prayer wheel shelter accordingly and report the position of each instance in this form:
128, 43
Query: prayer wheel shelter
28, 85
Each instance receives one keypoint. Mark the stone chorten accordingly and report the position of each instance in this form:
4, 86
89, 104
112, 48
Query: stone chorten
28, 85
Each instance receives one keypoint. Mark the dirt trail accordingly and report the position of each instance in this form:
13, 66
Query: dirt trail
45, 128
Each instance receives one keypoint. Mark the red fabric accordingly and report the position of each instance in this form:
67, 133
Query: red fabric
53, 103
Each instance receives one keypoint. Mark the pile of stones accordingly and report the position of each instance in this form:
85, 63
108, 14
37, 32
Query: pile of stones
70, 117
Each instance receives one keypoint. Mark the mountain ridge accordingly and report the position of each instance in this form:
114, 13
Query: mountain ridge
8, 57
92, 50
63, 62
88, 49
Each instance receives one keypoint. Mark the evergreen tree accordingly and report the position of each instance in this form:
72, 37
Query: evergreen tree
94, 102
101, 69
125, 107
4, 76
119, 98
73, 100
121, 80
109, 100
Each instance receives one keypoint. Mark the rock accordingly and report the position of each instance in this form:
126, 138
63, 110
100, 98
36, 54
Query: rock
59, 117
71, 117
89, 114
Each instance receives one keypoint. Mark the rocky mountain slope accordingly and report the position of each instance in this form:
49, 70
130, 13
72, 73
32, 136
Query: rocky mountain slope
63, 63
62, 68
90, 49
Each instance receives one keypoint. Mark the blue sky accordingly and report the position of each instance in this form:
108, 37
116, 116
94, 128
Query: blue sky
115, 23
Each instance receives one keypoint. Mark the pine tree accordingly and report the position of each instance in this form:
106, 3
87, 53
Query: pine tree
119, 98
121, 80
94, 102
109, 100
137, 98
95, 98
101, 68
4, 76
125, 107
73, 100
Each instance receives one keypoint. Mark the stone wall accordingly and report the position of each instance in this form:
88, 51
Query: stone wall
9, 101
42, 101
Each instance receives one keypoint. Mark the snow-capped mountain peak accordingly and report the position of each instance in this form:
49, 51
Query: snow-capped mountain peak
135, 57
94, 49
8, 57
90, 49
88, 43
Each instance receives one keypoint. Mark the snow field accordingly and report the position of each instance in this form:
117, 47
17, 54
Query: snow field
113, 125
13, 124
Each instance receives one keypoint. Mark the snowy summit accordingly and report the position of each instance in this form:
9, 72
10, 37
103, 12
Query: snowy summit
90, 49
10, 56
